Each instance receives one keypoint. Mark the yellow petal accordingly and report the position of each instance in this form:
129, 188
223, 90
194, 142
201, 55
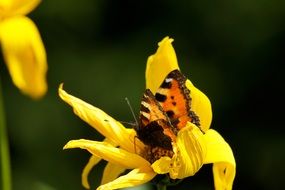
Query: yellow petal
220, 154
94, 160
109, 153
135, 177
201, 105
91, 163
191, 152
25, 55
160, 64
162, 165
111, 172
101, 121
17, 7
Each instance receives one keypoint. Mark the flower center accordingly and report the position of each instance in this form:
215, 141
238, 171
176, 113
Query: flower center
152, 154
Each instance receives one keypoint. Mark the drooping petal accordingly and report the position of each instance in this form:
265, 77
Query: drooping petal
109, 153
201, 105
111, 172
160, 64
25, 55
94, 160
220, 154
101, 121
91, 163
136, 177
17, 7
191, 152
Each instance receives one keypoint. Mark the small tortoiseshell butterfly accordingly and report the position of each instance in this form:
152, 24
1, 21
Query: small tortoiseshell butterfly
162, 115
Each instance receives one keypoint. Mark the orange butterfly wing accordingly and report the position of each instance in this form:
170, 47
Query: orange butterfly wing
174, 98
166, 112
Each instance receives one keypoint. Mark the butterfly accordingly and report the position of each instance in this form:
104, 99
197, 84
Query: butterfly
164, 113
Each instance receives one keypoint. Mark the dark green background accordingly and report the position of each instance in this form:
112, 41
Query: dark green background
232, 50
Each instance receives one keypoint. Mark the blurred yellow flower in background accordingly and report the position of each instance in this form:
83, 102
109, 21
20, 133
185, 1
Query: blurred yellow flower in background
22, 46
193, 147
25, 57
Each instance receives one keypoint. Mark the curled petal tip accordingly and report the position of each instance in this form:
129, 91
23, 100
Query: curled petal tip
60, 89
67, 146
166, 39
70, 144
61, 85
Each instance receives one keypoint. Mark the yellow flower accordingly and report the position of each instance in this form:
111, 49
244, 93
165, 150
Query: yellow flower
22, 46
123, 150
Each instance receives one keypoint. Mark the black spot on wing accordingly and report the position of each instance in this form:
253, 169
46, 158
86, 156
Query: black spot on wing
160, 97
174, 122
166, 84
170, 113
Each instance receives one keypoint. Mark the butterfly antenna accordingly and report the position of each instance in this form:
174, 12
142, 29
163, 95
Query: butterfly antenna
133, 113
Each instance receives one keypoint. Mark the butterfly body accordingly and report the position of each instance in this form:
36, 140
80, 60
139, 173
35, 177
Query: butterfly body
164, 113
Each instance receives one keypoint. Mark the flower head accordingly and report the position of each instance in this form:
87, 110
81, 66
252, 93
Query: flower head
22, 46
191, 147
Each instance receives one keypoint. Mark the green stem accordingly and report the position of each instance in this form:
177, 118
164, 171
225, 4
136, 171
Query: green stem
161, 187
4, 148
